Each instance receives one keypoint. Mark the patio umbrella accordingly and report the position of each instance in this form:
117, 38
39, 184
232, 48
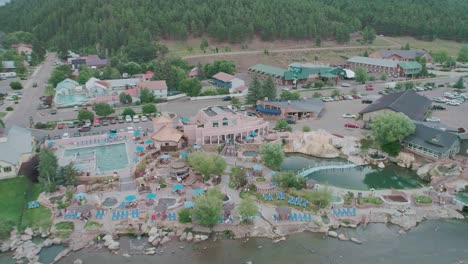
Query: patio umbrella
257, 167
177, 186
77, 167
253, 134
148, 141
189, 204
184, 154
51, 143
130, 198
151, 196
196, 147
249, 138
164, 156
160, 208
136, 133
80, 196
198, 191
185, 120
112, 134
140, 148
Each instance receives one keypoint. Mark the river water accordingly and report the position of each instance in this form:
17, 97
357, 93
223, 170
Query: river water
432, 242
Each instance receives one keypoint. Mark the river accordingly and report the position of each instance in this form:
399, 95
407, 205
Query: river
432, 242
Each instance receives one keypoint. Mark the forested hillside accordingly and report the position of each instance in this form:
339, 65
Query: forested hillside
115, 23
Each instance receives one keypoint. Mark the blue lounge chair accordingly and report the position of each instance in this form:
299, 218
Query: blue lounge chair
299, 216
304, 217
295, 216
271, 197
304, 203
126, 215
293, 202
309, 217
135, 213
353, 212
275, 217
299, 201
174, 216
278, 196
291, 217
283, 196
221, 219
122, 205
265, 197
115, 215
290, 199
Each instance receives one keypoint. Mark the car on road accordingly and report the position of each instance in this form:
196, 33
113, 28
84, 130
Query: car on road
136, 119
120, 120
128, 119
348, 97
345, 85
130, 129
105, 122
34, 85
349, 125
383, 93
71, 125
144, 118
46, 137
227, 98
60, 126
438, 107
53, 111
433, 119
366, 101
454, 103
290, 121
347, 115
84, 129
76, 108
65, 136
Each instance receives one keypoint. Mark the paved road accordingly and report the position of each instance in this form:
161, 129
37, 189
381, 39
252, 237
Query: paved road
27, 106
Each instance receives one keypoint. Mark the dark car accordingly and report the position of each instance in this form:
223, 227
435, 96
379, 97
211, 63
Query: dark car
76, 134
71, 125
57, 137
227, 98
438, 107
53, 111
46, 137
34, 85
290, 121
367, 101
84, 129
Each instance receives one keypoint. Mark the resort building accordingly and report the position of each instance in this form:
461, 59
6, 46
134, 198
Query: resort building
402, 55
92, 61
408, 102
219, 125
67, 86
296, 109
96, 87
8, 66
69, 93
229, 81
15, 149
432, 142
166, 136
390, 67
159, 88
23, 48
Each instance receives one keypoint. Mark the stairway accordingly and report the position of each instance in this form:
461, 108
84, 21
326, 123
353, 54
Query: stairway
229, 150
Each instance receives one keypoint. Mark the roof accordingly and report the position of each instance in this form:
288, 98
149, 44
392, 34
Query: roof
406, 54
21, 45
148, 75
241, 88
19, 141
373, 61
438, 125
306, 72
413, 105
307, 65
167, 133
268, 70
94, 60
349, 73
463, 136
432, 138
328, 75
103, 83
67, 84
222, 76
217, 110
106, 98
123, 82
8, 64
153, 85
308, 105
162, 119
406, 65
133, 92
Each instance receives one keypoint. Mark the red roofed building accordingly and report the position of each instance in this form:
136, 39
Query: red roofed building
23, 48
148, 75
194, 73
159, 88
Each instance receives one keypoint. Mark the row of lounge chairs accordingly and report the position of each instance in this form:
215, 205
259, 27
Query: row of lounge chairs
33, 204
98, 141
171, 216
100, 214
118, 215
344, 212
305, 217
298, 201
71, 215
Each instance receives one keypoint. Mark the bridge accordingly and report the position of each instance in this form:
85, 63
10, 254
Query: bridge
328, 166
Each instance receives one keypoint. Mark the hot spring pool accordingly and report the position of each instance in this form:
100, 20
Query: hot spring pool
167, 201
250, 153
108, 157
109, 201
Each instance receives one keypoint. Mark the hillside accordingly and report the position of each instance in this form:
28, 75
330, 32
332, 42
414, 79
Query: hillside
113, 24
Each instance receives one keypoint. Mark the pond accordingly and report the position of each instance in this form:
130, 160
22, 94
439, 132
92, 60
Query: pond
359, 178
48, 254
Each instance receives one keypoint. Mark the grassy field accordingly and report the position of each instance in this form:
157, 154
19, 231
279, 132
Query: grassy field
451, 47
12, 203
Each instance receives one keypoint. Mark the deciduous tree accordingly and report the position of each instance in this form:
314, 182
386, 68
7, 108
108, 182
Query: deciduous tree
272, 155
149, 108
85, 114
48, 166
361, 75
208, 207
463, 54
247, 209
103, 109
391, 127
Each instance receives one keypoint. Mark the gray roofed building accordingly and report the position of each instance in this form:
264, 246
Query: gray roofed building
408, 102
299, 109
432, 142
406, 55
8, 65
15, 149
374, 62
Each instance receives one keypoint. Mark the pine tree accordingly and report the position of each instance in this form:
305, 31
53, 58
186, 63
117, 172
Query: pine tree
254, 92
269, 89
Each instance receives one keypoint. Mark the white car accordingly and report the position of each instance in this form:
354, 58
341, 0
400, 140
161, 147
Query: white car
136, 119
130, 129
453, 103
286, 89
346, 85
144, 119
348, 97
433, 119
242, 108
65, 135
87, 122
76, 108
348, 116
128, 119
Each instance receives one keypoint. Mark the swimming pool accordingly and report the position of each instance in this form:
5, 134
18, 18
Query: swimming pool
63, 100
108, 157
250, 153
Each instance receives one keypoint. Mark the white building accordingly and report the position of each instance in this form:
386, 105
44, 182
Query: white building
159, 88
15, 149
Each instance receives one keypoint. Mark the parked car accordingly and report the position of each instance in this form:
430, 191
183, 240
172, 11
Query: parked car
57, 137
105, 122
60, 126
346, 85
383, 93
76, 134
349, 125
84, 129
136, 119
71, 125
76, 108
369, 87
453, 103
227, 98
242, 108
96, 122
144, 119
53, 111
251, 114
65, 136
128, 119
285, 89
87, 122
130, 129
348, 116
112, 121
366, 101
348, 97
433, 119
290, 121
34, 85
120, 120
438, 107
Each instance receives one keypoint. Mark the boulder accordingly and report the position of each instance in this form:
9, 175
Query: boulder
126, 255
183, 236
57, 241
47, 243
424, 173
179, 232
150, 251
405, 159
114, 245
151, 239
165, 240
14, 243
77, 261
26, 237
62, 254
108, 242
402, 232
203, 237
381, 165
28, 231
171, 234
107, 237
156, 242
5, 246
355, 240
332, 234
153, 231
316, 143
342, 237
196, 238
189, 237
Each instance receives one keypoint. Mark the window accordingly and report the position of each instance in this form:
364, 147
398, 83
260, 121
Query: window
215, 124
225, 121
6, 169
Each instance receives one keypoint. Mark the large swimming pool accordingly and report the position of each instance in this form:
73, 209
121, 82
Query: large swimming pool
70, 100
108, 157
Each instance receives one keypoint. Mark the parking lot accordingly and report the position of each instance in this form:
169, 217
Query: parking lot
453, 116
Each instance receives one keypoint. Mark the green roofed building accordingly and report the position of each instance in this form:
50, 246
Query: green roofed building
410, 67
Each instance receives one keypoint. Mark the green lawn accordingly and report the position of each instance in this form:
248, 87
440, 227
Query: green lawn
2, 115
452, 47
12, 202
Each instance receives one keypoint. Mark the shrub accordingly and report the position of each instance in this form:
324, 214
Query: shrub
185, 215
319, 84
317, 95
9, 108
372, 78
306, 129
16, 86
65, 226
